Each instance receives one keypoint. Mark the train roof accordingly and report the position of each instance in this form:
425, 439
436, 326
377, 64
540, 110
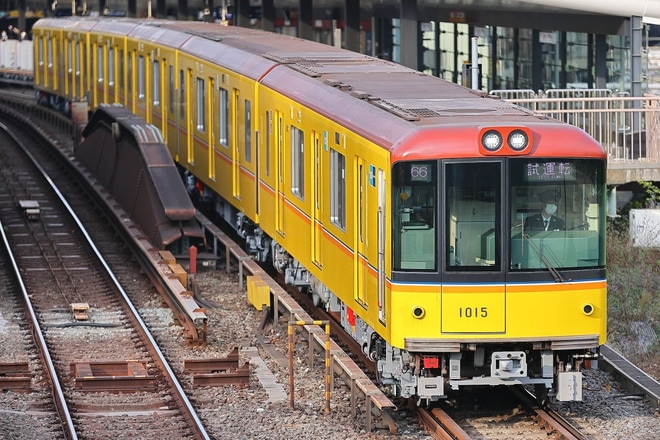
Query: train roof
385, 102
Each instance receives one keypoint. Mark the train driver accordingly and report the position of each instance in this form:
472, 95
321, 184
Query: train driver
546, 220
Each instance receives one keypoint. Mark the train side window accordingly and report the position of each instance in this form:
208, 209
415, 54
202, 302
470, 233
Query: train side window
248, 131
156, 83
49, 53
269, 133
78, 58
182, 95
111, 65
129, 73
172, 91
69, 57
223, 114
141, 78
201, 114
414, 229
99, 63
121, 70
40, 43
297, 162
337, 188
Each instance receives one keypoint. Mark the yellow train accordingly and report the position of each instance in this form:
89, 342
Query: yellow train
407, 205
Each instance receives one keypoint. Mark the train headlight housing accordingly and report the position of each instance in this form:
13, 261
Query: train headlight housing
518, 140
491, 140
588, 309
418, 312
504, 140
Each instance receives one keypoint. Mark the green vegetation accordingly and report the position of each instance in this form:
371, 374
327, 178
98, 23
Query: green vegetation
634, 290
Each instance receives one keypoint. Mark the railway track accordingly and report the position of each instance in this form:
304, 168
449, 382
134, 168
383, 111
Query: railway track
199, 396
108, 374
502, 412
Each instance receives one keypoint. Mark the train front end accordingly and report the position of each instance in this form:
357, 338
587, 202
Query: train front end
498, 261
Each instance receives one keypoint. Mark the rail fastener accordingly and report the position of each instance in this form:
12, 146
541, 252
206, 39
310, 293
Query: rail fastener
30, 208
15, 376
112, 376
218, 371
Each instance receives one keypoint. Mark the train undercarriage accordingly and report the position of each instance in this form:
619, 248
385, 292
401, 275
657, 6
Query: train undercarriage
428, 370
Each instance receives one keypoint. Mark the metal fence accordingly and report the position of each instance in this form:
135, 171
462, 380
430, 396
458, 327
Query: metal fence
627, 127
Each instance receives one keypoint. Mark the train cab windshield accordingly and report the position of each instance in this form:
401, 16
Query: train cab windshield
558, 210
511, 215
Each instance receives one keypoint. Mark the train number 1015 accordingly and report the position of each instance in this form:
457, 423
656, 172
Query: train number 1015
473, 312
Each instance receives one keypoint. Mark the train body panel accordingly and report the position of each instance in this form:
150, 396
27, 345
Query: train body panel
399, 201
496, 312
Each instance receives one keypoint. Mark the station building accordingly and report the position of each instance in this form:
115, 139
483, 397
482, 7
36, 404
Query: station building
519, 44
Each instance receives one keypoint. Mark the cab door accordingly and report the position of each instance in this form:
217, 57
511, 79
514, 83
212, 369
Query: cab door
473, 297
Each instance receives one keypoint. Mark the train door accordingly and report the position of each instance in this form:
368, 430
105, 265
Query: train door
79, 78
210, 109
174, 110
317, 225
473, 250
144, 70
158, 95
236, 150
279, 166
130, 75
381, 186
186, 79
70, 78
360, 220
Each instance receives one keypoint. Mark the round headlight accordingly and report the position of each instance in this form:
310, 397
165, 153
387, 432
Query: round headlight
491, 140
518, 140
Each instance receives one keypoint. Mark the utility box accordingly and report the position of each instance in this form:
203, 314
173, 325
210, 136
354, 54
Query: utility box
258, 292
645, 228
569, 386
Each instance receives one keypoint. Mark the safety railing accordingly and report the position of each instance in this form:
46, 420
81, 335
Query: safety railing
627, 127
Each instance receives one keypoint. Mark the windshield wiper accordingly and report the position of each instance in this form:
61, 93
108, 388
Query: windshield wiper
555, 273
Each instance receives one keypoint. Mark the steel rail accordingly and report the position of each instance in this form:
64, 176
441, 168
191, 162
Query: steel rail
190, 412
58, 394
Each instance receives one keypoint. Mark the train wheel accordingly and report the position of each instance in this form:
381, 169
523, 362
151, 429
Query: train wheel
541, 393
